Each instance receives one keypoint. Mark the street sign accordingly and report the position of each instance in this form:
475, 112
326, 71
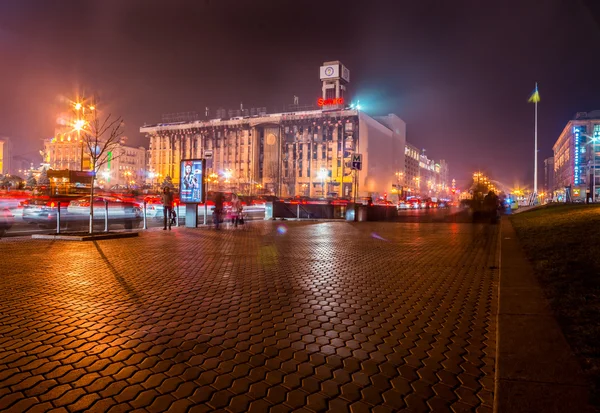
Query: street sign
208, 154
357, 161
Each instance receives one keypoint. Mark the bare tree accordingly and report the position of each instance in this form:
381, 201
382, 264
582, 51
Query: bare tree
101, 138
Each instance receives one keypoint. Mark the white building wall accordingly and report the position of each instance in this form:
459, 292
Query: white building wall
381, 142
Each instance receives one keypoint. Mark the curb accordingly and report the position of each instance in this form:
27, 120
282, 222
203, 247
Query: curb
536, 371
93, 237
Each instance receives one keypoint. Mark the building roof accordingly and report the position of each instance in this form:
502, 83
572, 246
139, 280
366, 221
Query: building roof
250, 120
594, 114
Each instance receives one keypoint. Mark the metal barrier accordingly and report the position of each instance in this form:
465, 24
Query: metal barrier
105, 215
145, 218
58, 218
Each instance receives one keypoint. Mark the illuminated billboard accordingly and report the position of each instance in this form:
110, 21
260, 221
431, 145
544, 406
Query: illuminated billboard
191, 184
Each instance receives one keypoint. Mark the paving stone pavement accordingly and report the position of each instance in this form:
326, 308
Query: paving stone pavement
277, 317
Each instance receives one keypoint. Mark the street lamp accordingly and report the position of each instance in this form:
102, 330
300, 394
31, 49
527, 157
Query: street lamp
151, 175
80, 123
322, 174
128, 179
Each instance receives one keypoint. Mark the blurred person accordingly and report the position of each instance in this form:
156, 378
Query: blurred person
236, 209
218, 211
490, 205
167, 201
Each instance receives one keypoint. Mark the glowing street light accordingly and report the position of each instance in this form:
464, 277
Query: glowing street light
78, 125
322, 174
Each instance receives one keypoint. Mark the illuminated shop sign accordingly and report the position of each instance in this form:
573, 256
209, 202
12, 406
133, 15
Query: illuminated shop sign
576, 162
330, 102
191, 185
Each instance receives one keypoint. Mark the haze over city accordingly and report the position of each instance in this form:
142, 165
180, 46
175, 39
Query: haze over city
458, 73
339, 206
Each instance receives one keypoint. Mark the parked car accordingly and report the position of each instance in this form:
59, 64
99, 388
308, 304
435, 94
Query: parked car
415, 203
383, 202
404, 205
6, 220
430, 203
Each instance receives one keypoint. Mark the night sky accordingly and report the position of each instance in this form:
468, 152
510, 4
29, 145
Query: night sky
458, 72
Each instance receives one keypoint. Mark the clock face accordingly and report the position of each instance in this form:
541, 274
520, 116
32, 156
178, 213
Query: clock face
329, 71
271, 139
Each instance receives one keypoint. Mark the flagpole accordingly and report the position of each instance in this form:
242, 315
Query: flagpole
535, 161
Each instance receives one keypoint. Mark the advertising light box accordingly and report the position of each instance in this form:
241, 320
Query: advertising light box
191, 185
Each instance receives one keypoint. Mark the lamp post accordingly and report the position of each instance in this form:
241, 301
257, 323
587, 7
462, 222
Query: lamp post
80, 123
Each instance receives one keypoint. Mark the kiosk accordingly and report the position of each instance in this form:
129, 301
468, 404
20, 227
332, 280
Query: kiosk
192, 188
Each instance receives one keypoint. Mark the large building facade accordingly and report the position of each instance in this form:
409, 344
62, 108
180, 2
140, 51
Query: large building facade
287, 154
577, 159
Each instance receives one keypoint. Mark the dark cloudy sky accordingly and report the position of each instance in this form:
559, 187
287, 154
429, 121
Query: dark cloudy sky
459, 72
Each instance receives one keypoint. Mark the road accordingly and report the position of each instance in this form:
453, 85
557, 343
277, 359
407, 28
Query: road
20, 228
272, 316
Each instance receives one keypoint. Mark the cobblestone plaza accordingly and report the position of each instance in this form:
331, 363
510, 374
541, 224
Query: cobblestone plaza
294, 316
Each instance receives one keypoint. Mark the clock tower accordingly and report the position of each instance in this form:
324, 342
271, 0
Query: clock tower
335, 76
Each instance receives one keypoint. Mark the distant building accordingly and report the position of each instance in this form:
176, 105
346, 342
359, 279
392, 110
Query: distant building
577, 158
433, 177
549, 175
5, 156
64, 151
412, 174
22, 165
126, 167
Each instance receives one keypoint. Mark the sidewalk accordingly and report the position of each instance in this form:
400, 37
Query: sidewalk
536, 370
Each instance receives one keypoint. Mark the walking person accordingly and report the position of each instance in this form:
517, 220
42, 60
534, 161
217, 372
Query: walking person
236, 209
167, 201
218, 209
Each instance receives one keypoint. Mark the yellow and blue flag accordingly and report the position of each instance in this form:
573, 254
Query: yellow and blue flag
535, 96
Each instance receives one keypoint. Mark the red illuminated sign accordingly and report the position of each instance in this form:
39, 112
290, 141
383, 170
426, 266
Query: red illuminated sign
330, 102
